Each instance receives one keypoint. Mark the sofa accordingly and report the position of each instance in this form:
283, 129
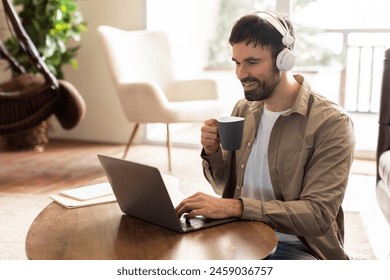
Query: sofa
383, 147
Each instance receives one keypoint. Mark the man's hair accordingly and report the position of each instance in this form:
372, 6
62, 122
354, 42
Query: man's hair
252, 29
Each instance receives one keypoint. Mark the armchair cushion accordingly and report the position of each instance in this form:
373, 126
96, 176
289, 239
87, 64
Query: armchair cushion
155, 108
197, 89
383, 185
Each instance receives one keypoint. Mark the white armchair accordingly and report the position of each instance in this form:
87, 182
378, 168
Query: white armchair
140, 65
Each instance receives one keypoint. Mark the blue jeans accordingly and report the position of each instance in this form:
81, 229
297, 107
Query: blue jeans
292, 251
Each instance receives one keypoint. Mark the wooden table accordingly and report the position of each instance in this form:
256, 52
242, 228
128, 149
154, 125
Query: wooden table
104, 232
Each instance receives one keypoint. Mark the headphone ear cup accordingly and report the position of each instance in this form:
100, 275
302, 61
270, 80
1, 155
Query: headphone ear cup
288, 40
285, 60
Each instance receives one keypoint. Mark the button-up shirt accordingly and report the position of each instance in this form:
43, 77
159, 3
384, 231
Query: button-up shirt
310, 154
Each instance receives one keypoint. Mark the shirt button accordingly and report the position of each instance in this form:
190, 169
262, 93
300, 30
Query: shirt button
242, 166
249, 144
238, 187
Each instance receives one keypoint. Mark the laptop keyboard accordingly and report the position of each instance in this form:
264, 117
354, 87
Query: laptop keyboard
196, 222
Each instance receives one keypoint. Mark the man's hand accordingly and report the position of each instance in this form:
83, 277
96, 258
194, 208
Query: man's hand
210, 137
209, 207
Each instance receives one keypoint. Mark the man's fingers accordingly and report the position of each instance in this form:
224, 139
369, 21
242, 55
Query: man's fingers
190, 204
210, 136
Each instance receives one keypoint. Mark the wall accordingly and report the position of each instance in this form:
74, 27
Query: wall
190, 26
104, 121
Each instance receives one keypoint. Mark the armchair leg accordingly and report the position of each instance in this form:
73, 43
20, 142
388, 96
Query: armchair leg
130, 140
169, 149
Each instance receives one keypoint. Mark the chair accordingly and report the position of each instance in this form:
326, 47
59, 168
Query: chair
27, 100
383, 147
140, 66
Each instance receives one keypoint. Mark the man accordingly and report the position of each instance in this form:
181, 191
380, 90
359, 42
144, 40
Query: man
297, 149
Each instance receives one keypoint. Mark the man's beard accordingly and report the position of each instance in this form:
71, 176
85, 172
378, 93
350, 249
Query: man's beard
264, 88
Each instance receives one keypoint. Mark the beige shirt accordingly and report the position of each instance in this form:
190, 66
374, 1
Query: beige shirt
310, 153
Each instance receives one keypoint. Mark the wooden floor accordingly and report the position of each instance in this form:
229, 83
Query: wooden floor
61, 165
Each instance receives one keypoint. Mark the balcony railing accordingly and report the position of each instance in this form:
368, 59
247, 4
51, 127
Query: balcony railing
361, 76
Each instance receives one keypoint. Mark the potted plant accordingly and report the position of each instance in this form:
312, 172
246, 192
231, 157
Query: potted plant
51, 24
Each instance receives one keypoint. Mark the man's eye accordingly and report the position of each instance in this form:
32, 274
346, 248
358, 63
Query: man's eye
252, 62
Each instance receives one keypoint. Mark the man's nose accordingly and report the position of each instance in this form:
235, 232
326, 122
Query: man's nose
241, 72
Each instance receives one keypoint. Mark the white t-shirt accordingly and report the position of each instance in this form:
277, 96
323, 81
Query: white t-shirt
257, 181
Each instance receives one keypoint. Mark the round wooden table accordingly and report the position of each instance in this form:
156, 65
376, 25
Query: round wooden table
104, 232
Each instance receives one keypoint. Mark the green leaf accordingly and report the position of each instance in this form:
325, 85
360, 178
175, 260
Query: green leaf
50, 25
18, 2
74, 63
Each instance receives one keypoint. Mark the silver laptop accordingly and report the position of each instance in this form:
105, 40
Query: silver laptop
141, 193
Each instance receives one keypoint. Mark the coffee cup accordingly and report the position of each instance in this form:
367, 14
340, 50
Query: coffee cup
230, 132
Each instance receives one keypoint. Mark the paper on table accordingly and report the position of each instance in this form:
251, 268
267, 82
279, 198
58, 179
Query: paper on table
74, 203
89, 192
85, 196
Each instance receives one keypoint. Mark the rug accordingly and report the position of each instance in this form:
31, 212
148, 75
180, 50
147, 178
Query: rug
17, 212
357, 244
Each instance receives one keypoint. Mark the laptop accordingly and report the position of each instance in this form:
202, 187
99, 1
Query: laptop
141, 192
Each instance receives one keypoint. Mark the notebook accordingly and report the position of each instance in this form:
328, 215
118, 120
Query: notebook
141, 193
88, 192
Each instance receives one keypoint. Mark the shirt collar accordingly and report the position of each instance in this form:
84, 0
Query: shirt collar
301, 104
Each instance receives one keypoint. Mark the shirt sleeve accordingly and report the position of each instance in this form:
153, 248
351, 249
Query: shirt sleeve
215, 170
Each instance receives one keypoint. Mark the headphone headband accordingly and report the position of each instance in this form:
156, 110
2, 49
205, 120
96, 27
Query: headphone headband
279, 24
286, 59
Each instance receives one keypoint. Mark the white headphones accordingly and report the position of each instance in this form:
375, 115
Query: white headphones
286, 58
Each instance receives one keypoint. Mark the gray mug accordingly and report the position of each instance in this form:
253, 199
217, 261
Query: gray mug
230, 132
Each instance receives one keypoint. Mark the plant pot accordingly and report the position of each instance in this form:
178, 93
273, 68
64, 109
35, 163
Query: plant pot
35, 138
